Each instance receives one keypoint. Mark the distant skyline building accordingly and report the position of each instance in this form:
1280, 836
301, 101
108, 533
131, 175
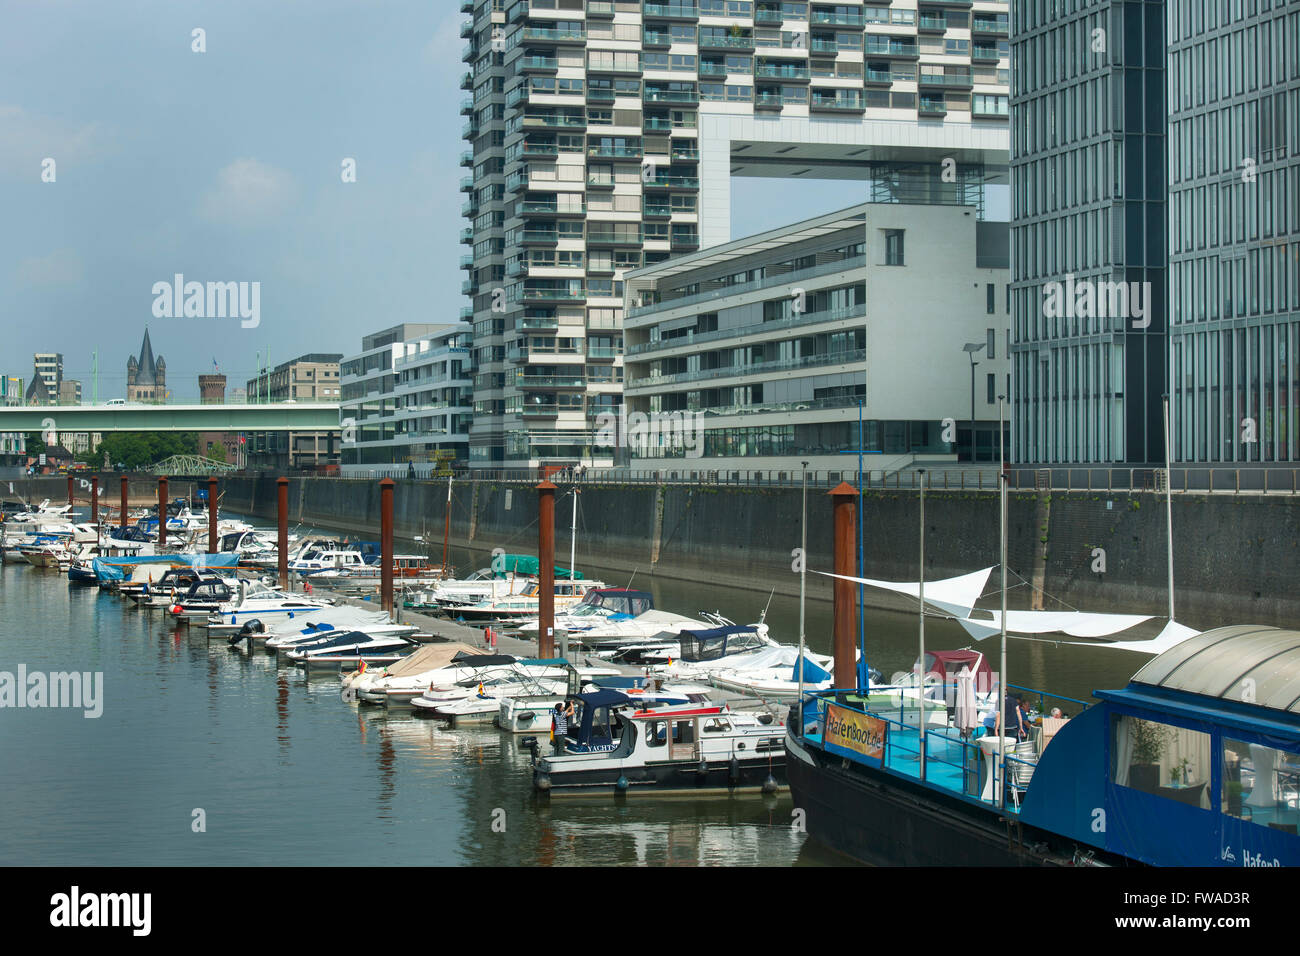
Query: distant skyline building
212, 391
313, 377
49, 366
603, 138
146, 377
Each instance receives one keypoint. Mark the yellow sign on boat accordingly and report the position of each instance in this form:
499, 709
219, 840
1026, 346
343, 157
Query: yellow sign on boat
850, 730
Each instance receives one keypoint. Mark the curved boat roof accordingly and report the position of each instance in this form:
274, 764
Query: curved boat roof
1250, 663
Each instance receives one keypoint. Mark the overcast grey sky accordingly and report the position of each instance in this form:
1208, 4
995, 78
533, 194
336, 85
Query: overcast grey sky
225, 166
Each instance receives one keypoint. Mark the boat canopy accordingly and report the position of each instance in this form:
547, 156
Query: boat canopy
484, 660
709, 644
620, 600
811, 672
948, 664
527, 564
1220, 662
433, 656
117, 568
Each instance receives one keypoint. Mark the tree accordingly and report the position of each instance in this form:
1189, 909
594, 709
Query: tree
141, 449
216, 451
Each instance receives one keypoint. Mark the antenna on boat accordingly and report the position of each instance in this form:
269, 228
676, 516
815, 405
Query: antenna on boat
1169, 513
803, 577
763, 614
1002, 558
634, 571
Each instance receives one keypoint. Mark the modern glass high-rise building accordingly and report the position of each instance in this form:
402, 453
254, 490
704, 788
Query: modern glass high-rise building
1155, 160
1088, 231
604, 136
1234, 229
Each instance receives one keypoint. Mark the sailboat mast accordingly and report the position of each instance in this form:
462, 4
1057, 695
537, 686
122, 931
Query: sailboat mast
1169, 514
573, 539
446, 528
920, 661
1002, 561
803, 572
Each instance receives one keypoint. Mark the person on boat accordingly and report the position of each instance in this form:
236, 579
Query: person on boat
1015, 723
560, 725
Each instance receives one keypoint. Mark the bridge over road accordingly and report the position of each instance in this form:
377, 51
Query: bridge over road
269, 417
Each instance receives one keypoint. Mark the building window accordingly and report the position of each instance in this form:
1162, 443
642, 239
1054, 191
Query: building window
893, 247
991, 389
990, 340
990, 305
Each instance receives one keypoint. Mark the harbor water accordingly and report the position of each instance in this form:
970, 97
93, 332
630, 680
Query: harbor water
207, 755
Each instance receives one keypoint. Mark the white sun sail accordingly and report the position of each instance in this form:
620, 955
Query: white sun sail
954, 595
1073, 623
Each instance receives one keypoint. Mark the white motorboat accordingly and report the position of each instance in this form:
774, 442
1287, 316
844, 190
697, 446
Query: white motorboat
620, 746
653, 627
523, 605
315, 630
349, 647
597, 606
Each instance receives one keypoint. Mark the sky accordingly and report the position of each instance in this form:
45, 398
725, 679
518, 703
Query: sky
227, 165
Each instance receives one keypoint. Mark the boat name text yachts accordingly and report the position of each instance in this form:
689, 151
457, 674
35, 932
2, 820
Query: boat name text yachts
82, 690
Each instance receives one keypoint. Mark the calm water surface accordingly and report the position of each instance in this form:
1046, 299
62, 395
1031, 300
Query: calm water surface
286, 773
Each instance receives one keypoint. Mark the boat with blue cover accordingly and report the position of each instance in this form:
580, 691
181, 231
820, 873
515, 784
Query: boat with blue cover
1196, 762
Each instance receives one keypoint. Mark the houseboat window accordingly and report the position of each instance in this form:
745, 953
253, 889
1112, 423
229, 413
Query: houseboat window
717, 725
683, 731
1261, 784
656, 732
1158, 758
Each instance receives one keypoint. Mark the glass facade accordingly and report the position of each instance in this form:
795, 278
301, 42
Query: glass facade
1234, 230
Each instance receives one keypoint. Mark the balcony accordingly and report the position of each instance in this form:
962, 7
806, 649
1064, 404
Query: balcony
470, 53
654, 39
466, 313
726, 41
553, 121
466, 6
615, 152
516, 268
467, 236
713, 69
843, 101
537, 64
552, 35
997, 26
467, 81
603, 237
517, 181
470, 208
948, 80
926, 24
693, 340
672, 182
600, 181
686, 154
829, 18
467, 158
538, 324
784, 279
984, 53
467, 262
931, 107
544, 410
553, 209
652, 95
550, 381
539, 237
597, 94
468, 287
684, 239
599, 8
786, 73
469, 130
768, 101
769, 16
670, 11
877, 77
603, 352
467, 29
880, 46
467, 106
844, 357
467, 184
547, 294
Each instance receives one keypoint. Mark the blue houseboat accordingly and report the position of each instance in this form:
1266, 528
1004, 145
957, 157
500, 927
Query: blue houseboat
1195, 763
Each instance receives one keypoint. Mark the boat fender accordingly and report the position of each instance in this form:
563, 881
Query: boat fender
703, 768
543, 782
734, 768
769, 785
621, 784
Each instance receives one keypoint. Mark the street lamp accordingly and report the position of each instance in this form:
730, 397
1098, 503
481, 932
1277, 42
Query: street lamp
970, 348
